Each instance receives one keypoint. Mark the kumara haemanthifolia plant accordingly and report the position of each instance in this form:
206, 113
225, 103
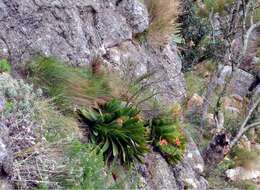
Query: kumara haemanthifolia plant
168, 138
118, 129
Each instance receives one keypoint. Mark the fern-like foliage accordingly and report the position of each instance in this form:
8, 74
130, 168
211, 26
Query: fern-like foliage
118, 130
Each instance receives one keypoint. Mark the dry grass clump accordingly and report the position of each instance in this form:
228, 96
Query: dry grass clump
249, 159
163, 20
72, 86
34, 134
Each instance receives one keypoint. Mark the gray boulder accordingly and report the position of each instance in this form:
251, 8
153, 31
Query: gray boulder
3, 153
5, 185
239, 84
5, 160
257, 91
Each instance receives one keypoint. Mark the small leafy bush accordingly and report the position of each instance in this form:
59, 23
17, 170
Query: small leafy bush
195, 83
168, 138
196, 31
193, 30
118, 129
4, 66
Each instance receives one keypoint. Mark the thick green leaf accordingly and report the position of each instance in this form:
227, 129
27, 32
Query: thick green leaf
115, 149
105, 146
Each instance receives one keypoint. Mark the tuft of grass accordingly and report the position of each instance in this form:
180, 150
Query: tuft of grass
56, 126
4, 66
195, 83
163, 20
85, 168
68, 85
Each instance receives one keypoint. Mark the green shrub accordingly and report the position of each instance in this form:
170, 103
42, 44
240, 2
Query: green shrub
225, 165
196, 31
4, 66
68, 85
195, 83
8, 107
86, 168
256, 15
168, 138
193, 30
118, 130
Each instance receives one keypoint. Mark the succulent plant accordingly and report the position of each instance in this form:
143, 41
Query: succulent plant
118, 129
168, 138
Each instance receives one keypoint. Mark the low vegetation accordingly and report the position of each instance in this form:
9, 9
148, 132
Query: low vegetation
4, 66
118, 130
163, 20
214, 7
99, 129
169, 138
71, 127
68, 85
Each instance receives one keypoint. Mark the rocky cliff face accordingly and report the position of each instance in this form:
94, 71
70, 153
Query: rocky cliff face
77, 31
72, 30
